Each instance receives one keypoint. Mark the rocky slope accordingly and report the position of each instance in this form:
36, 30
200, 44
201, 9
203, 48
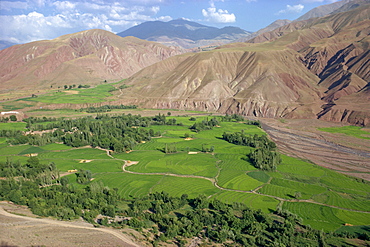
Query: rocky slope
307, 69
87, 57
276, 24
234, 80
323, 10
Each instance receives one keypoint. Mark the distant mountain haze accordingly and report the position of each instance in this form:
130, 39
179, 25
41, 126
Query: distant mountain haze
183, 33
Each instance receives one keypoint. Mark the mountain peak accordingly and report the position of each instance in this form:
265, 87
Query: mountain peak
184, 33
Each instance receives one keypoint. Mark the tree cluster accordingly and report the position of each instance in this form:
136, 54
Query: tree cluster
118, 133
106, 108
41, 174
265, 159
39, 187
264, 156
214, 221
204, 125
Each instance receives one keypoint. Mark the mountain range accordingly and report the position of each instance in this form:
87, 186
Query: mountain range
183, 33
316, 68
313, 68
89, 57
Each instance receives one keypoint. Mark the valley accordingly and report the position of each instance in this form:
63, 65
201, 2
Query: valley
225, 174
175, 133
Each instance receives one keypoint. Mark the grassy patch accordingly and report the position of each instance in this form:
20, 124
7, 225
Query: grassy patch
15, 105
56, 147
238, 181
83, 95
354, 229
326, 218
354, 131
176, 186
31, 150
13, 150
13, 126
259, 175
266, 204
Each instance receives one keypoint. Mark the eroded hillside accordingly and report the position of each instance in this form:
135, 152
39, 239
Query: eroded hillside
307, 69
85, 57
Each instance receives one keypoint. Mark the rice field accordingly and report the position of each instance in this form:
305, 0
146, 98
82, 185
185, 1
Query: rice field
235, 180
80, 95
255, 201
326, 218
13, 126
292, 184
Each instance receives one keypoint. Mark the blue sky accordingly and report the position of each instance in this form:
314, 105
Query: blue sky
30, 20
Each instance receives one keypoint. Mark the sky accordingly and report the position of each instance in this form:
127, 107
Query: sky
23, 21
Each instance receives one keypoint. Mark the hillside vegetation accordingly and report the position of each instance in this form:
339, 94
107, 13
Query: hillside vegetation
169, 155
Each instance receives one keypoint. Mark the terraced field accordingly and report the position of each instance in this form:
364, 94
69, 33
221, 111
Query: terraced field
323, 198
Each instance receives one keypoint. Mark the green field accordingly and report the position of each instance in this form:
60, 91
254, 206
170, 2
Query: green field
323, 198
355, 131
13, 126
76, 96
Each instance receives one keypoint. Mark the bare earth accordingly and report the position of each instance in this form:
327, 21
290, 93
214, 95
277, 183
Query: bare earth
19, 230
339, 152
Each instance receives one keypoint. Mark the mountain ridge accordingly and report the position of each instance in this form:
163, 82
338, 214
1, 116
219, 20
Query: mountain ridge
306, 69
92, 55
183, 33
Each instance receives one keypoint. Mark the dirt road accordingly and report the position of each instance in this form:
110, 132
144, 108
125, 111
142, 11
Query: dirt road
22, 230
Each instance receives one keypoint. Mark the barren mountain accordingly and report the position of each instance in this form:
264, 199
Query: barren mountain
272, 26
307, 69
185, 34
231, 79
323, 10
82, 58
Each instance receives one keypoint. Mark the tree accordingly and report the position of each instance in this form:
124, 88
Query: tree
298, 195
64, 181
13, 118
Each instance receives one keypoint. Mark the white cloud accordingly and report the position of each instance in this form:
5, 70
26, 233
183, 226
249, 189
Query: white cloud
73, 16
165, 18
212, 14
292, 9
30, 27
64, 6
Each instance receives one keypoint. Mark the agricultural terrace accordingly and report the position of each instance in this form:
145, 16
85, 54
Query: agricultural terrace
180, 161
68, 95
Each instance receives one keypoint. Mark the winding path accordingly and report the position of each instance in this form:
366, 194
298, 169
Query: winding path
214, 182
126, 242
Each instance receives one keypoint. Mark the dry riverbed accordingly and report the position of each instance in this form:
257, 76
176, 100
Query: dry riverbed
340, 152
